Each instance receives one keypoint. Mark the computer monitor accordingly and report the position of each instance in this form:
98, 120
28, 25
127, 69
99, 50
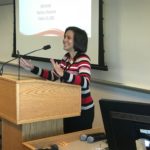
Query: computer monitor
126, 123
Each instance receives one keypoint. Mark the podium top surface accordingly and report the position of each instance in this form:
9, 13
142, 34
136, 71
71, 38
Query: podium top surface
13, 78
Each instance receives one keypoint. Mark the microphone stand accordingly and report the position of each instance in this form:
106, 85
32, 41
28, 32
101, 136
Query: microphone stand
1, 70
18, 64
32, 51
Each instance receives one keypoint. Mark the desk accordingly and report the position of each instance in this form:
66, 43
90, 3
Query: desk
69, 141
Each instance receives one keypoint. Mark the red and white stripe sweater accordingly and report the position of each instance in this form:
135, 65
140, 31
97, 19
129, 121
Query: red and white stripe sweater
77, 71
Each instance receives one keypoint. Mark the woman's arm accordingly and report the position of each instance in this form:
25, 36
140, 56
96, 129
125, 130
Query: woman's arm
83, 76
44, 73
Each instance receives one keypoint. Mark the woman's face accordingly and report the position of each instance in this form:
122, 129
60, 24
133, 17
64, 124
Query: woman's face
68, 41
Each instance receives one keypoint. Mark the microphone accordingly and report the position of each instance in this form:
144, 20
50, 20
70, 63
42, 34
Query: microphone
46, 47
92, 137
95, 138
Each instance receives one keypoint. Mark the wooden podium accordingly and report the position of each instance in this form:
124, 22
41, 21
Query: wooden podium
33, 108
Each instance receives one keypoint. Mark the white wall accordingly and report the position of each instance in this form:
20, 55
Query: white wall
118, 44
127, 42
6, 32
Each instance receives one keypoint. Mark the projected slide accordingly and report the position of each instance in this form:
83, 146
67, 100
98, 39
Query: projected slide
43, 22
51, 17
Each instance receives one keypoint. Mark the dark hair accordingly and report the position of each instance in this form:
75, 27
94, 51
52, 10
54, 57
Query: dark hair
80, 39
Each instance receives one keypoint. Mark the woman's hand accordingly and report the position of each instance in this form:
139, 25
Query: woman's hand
26, 64
57, 67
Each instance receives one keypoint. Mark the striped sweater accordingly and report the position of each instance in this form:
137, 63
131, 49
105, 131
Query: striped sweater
76, 71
